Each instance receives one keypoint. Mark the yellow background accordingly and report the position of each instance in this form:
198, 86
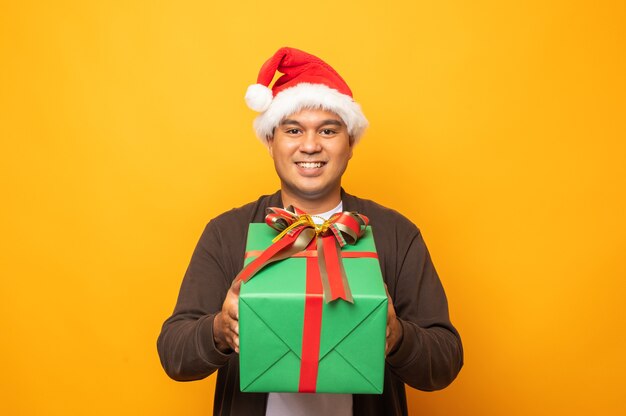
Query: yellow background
497, 127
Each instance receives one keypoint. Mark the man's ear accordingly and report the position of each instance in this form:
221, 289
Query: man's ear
270, 147
351, 142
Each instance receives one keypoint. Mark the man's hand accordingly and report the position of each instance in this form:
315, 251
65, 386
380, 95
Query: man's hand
226, 323
394, 328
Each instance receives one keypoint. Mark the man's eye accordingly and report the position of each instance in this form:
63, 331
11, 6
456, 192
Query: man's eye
327, 132
293, 131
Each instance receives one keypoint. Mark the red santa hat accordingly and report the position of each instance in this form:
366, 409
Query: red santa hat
307, 82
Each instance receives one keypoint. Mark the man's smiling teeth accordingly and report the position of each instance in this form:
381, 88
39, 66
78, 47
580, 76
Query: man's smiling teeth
310, 165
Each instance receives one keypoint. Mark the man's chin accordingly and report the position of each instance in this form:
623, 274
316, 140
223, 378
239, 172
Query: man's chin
312, 193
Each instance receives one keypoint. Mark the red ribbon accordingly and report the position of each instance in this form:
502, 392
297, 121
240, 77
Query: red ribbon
313, 253
312, 328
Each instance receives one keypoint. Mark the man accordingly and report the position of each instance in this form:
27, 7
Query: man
310, 124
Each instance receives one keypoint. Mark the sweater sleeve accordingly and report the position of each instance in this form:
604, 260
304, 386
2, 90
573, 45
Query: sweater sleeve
185, 345
430, 354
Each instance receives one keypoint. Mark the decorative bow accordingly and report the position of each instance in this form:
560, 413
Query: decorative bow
298, 231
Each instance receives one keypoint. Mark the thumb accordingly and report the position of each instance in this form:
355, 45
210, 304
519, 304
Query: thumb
236, 287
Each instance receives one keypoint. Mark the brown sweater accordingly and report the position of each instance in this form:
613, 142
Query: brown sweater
428, 358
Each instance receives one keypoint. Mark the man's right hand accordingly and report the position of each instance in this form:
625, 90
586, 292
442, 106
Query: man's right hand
226, 322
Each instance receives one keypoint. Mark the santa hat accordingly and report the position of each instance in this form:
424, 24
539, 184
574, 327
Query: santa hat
307, 82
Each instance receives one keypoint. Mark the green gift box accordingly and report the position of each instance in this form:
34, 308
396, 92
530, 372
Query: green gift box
351, 340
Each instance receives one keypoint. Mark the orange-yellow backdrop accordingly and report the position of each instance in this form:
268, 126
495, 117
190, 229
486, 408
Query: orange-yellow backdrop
498, 127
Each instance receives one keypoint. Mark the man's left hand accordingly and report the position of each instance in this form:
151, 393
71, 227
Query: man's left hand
394, 328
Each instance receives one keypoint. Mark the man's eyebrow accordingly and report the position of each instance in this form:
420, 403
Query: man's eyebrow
289, 121
330, 121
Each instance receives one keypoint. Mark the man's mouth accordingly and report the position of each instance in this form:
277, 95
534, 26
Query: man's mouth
310, 165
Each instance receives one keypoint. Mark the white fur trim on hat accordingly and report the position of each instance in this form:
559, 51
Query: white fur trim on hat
306, 95
258, 97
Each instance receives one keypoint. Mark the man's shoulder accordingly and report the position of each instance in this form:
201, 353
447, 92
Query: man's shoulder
382, 215
394, 233
243, 215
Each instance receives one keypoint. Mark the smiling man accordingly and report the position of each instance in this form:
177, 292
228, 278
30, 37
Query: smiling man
310, 124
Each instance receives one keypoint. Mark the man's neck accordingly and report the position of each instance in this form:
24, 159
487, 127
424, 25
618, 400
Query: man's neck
312, 206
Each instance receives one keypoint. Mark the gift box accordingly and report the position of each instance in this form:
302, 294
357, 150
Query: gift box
291, 340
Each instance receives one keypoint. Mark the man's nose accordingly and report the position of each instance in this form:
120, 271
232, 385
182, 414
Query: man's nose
311, 142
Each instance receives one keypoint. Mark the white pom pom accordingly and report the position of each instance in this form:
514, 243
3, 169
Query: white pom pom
258, 97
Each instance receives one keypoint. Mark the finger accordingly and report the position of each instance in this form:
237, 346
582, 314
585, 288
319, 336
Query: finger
236, 287
233, 313
236, 344
389, 301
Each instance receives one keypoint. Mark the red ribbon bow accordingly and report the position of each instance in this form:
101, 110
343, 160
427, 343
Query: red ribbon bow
298, 231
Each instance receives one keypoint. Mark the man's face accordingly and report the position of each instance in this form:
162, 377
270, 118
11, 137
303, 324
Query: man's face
311, 150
